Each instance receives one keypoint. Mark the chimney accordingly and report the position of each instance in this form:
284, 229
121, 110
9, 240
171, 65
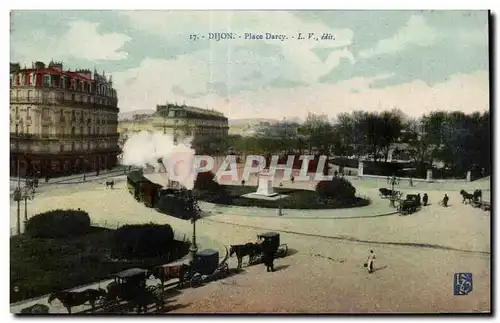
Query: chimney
39, 65
56, 65
15, 67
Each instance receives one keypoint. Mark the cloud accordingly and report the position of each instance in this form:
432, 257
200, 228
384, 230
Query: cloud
81, 41
415, 32
294, 60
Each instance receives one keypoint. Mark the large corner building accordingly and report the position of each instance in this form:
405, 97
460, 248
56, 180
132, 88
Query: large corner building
61, 122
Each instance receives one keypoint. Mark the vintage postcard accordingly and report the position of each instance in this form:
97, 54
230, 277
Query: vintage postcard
250, 162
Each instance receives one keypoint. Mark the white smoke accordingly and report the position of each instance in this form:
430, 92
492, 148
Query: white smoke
145, 148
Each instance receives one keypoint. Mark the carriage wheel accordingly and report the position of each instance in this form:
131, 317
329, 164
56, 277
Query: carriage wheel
225, 268
151, 288
196, 280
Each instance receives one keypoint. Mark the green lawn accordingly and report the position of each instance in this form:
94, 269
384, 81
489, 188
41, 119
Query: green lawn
297, 199
41, 266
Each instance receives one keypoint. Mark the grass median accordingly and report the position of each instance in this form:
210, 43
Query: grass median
41, 266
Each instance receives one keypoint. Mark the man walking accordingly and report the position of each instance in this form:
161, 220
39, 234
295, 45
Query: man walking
369, 262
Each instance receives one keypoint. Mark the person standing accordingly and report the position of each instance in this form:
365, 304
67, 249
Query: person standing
425, 199
268, 257
445, 200
369, 262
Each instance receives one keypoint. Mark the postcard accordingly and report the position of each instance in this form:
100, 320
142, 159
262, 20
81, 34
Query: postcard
251, 162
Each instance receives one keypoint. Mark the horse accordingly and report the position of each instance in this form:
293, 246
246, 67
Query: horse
466, 196
110, 184
249, 249
165, 273
72, 299
36, 309
145, 297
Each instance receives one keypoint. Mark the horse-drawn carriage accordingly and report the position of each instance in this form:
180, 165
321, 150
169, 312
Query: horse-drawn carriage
130, 286
281, 250
255, 251
410, 204
205, 266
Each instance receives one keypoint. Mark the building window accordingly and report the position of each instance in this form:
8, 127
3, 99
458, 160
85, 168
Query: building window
46, 80
29, 95
72, 146
60, 95
61, 147
88, 98
81, 131
18, 94
73, 97
72, 131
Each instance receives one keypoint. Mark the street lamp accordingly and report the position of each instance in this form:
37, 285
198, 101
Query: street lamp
195, 215
393, 181
17, 191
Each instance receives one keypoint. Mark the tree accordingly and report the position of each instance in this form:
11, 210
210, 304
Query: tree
391, 126
318, 132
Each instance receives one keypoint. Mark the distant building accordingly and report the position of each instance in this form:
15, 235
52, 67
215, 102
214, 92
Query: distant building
61, 121
180, 121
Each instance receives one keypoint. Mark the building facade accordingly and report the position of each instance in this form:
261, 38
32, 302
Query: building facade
61, 122
180, 121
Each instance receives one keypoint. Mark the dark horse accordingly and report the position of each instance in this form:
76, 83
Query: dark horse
135, 295
110, 184
249, 249
466, 196
72, 299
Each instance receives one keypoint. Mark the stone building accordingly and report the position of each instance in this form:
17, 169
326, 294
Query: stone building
180, 121
61, 122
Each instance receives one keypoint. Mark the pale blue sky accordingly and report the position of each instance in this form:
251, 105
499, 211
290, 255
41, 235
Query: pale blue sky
375, 55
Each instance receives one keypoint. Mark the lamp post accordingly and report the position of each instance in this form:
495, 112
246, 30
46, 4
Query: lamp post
17, 191
193, 205
393, 181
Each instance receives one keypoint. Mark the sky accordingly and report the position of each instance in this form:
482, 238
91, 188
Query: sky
415, 61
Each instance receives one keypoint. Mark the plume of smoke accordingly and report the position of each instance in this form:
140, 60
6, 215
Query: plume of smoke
146, 148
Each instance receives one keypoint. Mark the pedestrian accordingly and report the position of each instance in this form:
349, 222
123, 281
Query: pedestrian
242, 182
369, 262
411, 182
268, 257
336, 173
425, 199
445, 200
84, 177
292, 179
419, 199
280, 211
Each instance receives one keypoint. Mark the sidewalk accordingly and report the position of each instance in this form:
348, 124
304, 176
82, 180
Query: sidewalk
118, 169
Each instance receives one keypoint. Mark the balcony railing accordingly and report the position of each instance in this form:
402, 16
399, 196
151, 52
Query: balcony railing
62, 101
62, 136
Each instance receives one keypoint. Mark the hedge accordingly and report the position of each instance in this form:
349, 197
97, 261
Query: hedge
336, 189
142, 241
205, 181
58, 224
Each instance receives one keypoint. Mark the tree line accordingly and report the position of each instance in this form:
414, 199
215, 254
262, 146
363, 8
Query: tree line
460, 141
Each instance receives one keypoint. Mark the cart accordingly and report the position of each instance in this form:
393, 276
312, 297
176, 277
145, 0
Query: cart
274, 238
129, 286
206, 266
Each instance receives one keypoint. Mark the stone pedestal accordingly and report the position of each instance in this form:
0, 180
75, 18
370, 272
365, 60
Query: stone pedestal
429, 175
469, 176
360, 169
265, 187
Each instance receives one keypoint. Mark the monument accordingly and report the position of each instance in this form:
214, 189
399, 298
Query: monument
265, 189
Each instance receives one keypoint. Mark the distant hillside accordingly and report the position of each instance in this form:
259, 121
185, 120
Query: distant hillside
130, 114
241, 122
